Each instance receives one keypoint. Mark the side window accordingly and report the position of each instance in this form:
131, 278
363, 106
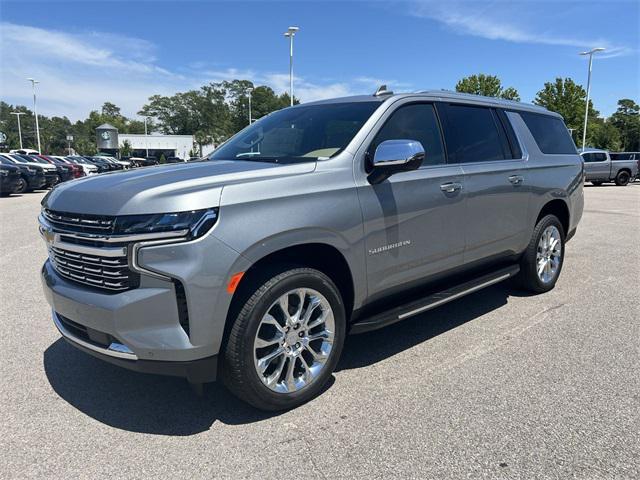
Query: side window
550, 133
417, 121
474, 134
594, 157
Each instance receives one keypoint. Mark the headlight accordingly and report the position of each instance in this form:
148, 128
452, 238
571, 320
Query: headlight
195, 223
4, 173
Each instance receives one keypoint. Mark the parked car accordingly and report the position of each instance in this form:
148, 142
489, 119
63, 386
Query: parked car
9, 179
108, 162
51, 174
627, 156
25, 151
174, 160
600, 168
123, 163
325, 218
143, 162
88, 167
31, 177
65, 172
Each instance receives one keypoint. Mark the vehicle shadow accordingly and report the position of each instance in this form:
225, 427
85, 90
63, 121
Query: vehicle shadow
160, 405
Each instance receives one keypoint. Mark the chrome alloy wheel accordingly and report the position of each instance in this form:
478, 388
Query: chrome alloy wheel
294, 340
549, 254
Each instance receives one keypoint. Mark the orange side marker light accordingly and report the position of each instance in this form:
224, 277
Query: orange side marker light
234, 282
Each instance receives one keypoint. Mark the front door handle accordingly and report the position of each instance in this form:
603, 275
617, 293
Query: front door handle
451, 187
516, 179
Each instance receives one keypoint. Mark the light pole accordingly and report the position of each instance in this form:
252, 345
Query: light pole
35, 110
17, 114
586, 109
146, 140
291, 32
249, 91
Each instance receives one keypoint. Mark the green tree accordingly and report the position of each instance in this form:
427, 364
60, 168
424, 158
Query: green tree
568, 98
125, 149
604, 134
487, 85
627, 120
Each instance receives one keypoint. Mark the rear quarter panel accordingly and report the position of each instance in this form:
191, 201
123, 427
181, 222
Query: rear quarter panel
550, 177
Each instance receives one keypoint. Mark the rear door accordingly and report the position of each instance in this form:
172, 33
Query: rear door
413, 221
481, 141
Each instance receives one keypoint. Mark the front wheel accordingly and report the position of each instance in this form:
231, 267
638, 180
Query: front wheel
622, 179
542, 260
286, 340
22, 186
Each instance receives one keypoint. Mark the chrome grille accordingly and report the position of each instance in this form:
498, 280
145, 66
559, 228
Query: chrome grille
111, 273
79, 222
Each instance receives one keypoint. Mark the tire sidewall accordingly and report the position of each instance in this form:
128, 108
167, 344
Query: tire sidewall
298, 278
531, 263
623, 179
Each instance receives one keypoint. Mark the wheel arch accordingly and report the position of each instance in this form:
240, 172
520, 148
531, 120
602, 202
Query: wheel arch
560, 209
324, 257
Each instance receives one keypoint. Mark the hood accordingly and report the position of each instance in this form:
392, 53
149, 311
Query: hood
162, 188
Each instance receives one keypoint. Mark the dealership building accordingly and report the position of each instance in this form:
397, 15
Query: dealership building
140, 145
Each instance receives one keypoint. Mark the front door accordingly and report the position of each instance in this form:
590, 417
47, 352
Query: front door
596, 166
413, 221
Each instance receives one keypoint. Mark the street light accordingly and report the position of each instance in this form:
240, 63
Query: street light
17, 114
35, 110
291, 32
249, 90
586, 110
146, 140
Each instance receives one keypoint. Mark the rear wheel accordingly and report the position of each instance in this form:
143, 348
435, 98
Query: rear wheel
622, 179
542, 260
286, 340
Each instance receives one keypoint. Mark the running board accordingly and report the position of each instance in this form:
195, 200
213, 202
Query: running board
434, 300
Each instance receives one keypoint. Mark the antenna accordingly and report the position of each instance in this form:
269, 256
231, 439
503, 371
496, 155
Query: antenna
382, 90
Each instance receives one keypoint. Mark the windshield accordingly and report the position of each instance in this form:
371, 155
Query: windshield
299, 134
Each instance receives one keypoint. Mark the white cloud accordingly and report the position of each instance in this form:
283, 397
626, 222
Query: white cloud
506, 21
80, 71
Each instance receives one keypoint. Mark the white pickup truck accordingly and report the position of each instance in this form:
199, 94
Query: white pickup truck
600, 167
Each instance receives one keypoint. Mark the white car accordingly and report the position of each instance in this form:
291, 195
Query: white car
87, 168
25, 151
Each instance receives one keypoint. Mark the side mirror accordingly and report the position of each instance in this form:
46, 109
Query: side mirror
394, 156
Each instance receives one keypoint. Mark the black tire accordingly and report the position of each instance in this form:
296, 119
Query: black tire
238, 371
597, 184
528, 278
22, 187
622, 179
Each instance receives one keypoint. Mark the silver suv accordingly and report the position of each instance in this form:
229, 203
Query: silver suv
326, 218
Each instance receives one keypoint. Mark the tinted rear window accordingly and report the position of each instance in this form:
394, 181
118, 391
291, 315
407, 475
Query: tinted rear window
622, 156
550, 133
473, 134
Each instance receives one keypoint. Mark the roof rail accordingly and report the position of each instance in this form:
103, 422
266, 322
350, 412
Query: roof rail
382, 90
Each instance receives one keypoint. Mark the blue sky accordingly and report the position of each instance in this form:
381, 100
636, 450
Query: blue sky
89, 52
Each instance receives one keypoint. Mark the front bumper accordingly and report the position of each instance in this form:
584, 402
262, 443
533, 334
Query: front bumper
196, 371
141, 328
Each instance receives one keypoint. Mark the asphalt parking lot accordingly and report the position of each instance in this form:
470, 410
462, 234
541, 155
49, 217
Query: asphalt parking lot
495, 385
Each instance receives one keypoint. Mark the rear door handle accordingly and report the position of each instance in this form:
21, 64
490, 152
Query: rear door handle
516, 179
451, 187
